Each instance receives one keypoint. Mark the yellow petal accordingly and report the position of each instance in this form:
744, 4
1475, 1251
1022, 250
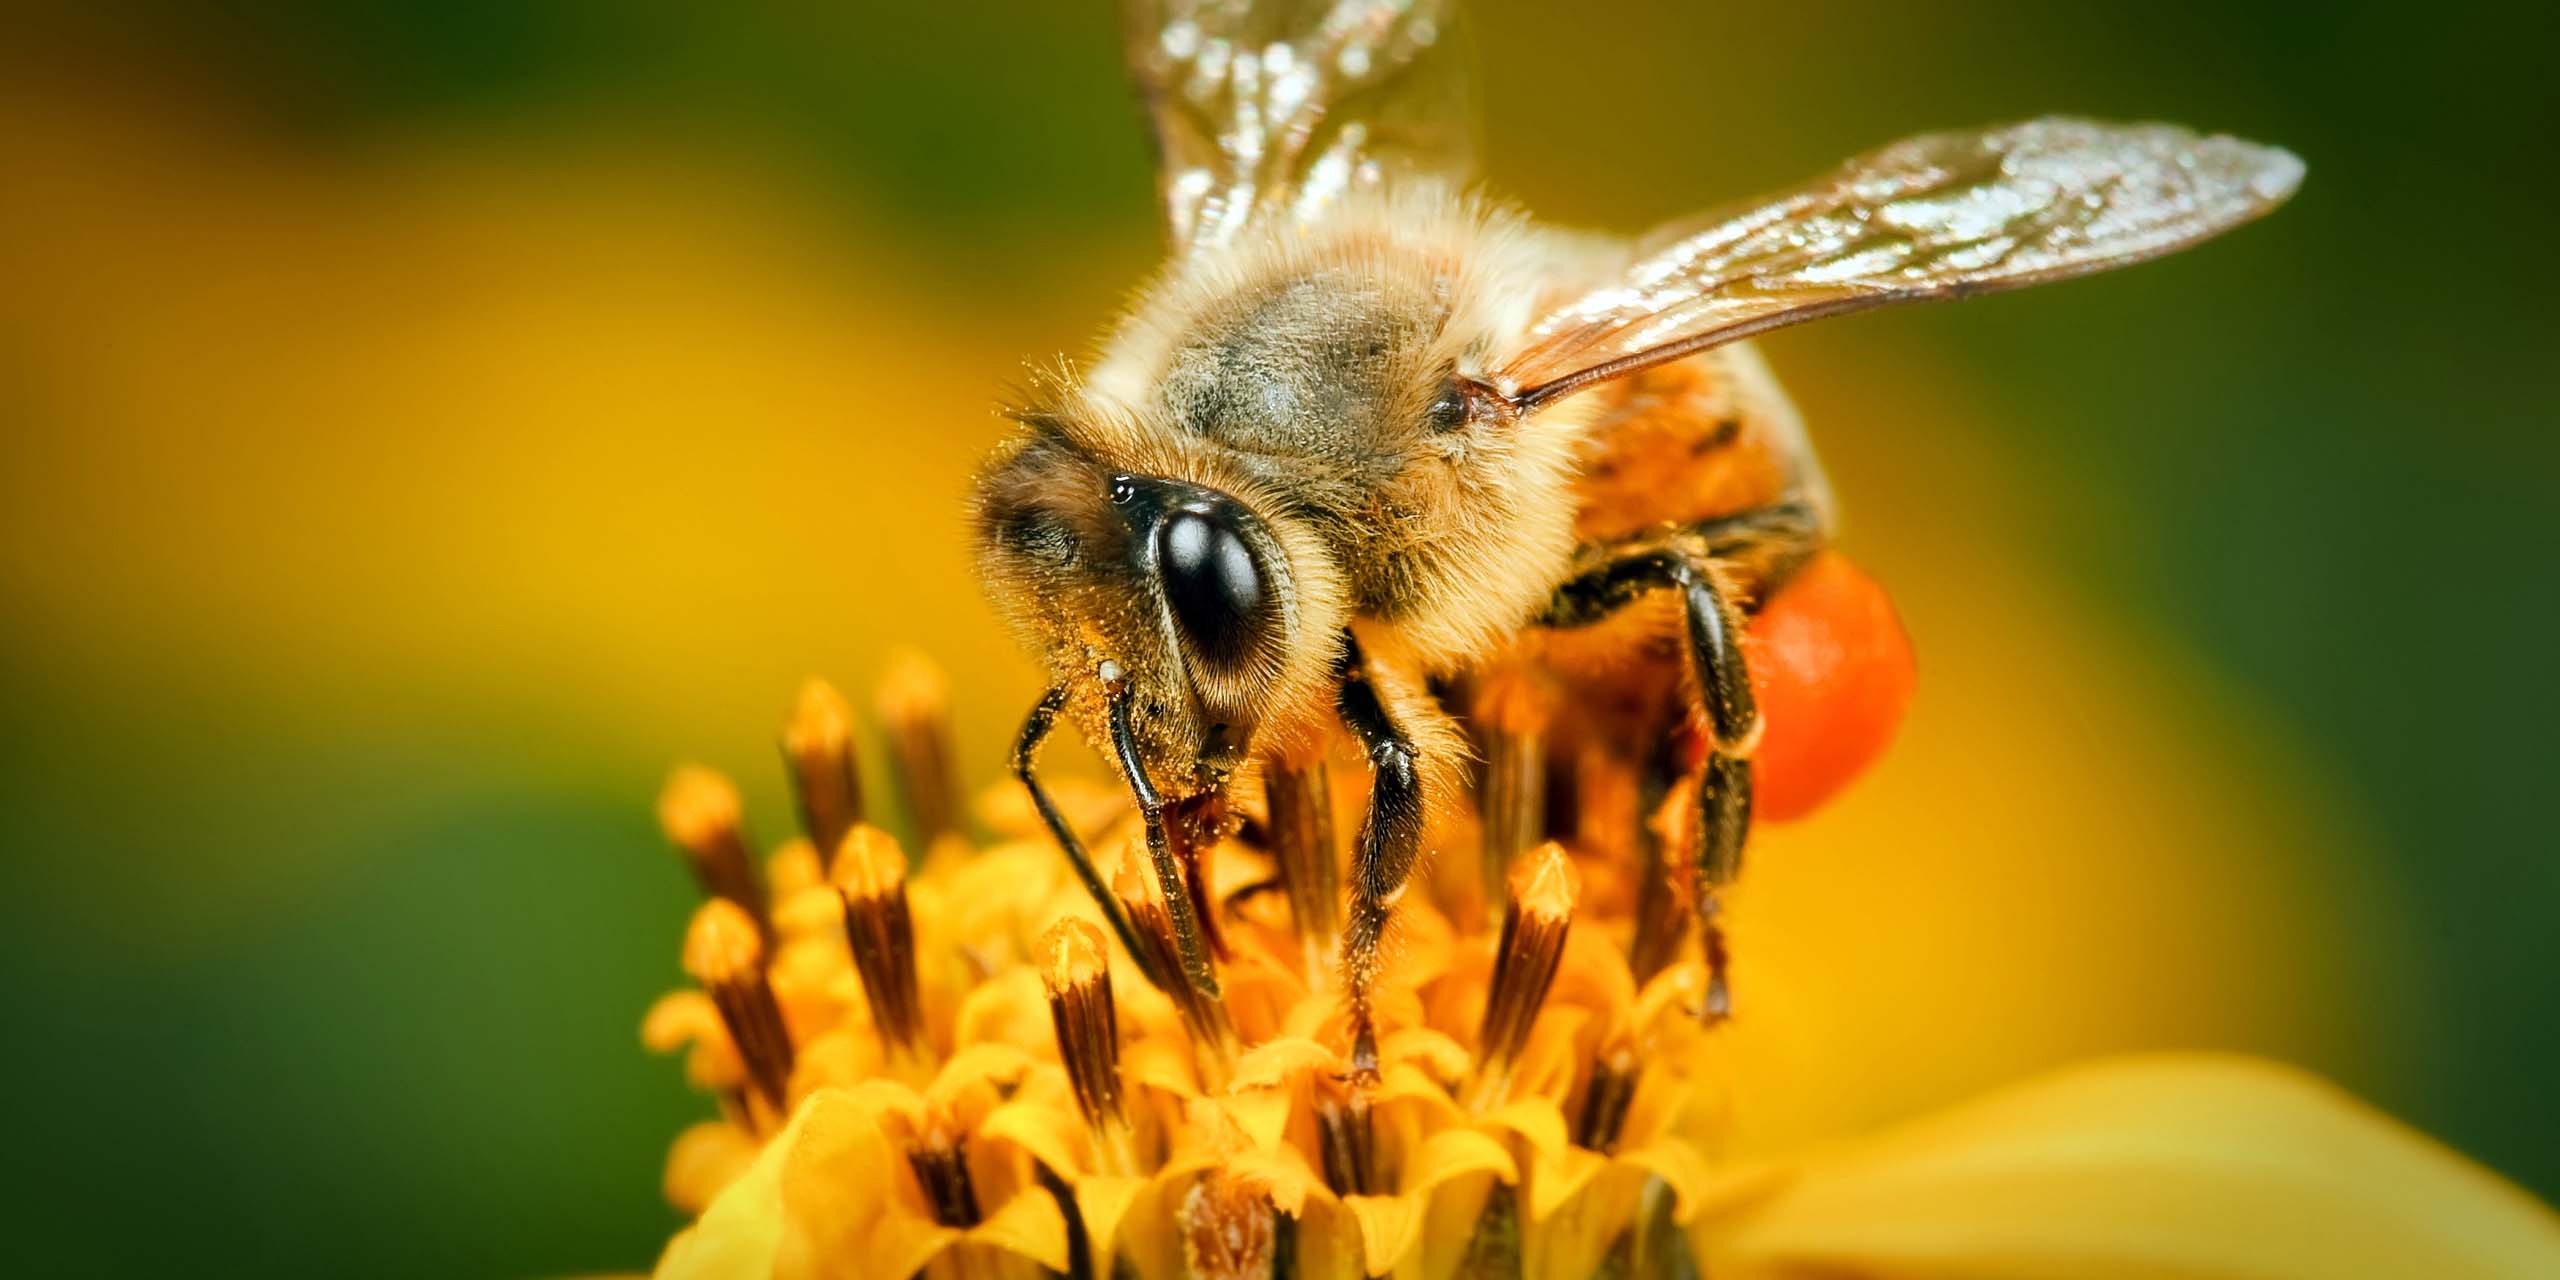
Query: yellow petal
706, 1158
1282, 1173
1101, 1200
1281, 1061
808, 912
741, 1232
1160, 1064
1538, 1121
1682, 1168
978, 1064
1452, 1152
1390, 1226
677, 1019
793, 867
1007, 1009
1051, 1134
822, 1201
1435, 1051
1555, 1181
1030, 1225
687, 1017
2177, 1165
1405, 1083
1261, 1115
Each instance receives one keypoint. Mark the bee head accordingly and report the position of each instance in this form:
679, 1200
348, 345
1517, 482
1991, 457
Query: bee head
1175, 597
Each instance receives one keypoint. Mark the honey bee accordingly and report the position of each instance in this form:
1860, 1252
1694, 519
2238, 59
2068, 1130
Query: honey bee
1367, 430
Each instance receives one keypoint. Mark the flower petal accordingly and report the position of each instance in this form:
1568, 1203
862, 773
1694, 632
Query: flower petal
1390, 1226
2178, 1165
740, 1234
1280, 1061
706, 1157
824, 1200
1101, 1200
1028, 1225
1052, 1135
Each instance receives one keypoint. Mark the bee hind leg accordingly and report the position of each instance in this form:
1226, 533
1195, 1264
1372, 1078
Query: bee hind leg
1713, 567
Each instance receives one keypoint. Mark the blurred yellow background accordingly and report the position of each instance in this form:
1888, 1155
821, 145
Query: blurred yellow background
429, 422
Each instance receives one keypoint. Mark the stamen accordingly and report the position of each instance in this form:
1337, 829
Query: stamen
700, 812
1511, 713
1190, 949
1077, 974
1345, 1137
871, 876
826, 780
940, 1157
1494, 1249
1213, 1034
1306, 855
1667, 888
724, 952
915, 709
1605, 1099
1230, 1231
1193, 827
1543, 888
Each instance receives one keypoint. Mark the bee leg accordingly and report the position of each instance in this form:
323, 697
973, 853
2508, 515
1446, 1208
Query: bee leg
1390, 836
1178, 898
1026, 745
1703, 564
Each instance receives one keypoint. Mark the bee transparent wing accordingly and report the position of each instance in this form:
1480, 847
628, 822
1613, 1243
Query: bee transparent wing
1938, 216
1281, 106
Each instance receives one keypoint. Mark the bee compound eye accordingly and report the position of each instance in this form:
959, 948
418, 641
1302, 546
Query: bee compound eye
1448, 408
1212, 584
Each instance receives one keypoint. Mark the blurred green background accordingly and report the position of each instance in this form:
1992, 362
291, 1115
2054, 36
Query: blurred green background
428, 421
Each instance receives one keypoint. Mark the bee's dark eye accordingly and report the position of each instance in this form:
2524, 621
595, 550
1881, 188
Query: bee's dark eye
1212, 584
1448, 409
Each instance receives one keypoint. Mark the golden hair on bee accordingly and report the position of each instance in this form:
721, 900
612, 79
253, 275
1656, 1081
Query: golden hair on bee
1366, 430
1310, 378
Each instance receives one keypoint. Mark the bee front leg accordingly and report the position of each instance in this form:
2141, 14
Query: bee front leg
1390, 837
1036, 727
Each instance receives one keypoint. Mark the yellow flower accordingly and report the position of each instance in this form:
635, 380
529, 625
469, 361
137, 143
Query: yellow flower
947, 1066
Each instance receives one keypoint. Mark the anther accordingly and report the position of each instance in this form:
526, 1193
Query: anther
1512, 709
700, 813
724, 952
1346, 1139
915, 709
1075, 970
939, 1155
871, 876
1603, 1115
1303, 850
826, 779
1666, 896
1543, 888
1190, 944
1204, 1016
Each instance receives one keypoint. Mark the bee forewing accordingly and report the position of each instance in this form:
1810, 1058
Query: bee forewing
1281, 106
1941, 215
